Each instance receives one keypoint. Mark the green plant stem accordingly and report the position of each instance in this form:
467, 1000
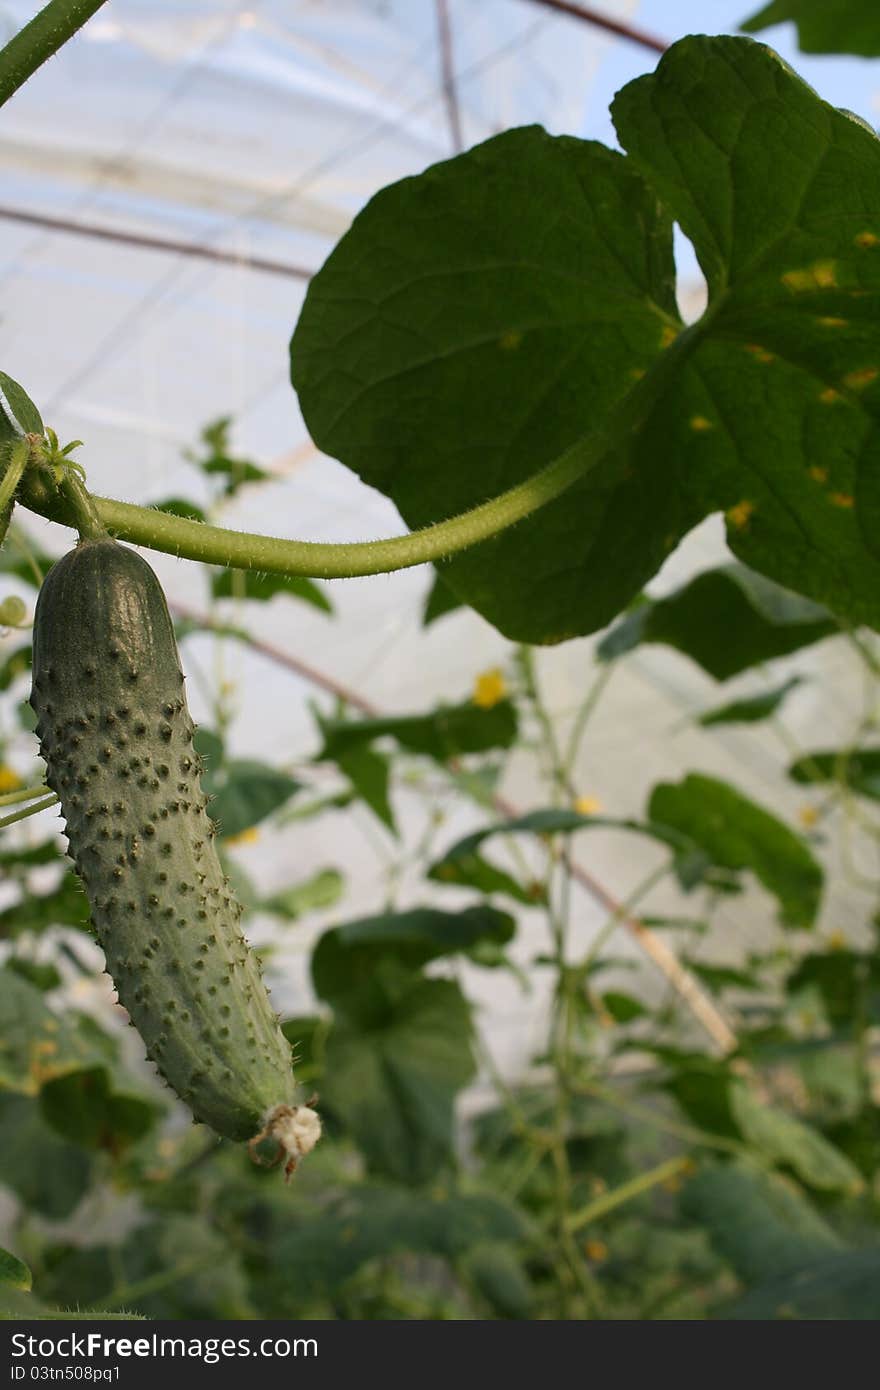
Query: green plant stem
37, 41
12, 477
82, 505
28, 811
23, 794
609, 1201
214, 545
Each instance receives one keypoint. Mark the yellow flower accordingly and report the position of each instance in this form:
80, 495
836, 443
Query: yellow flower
808, 816
9, 780
490, 688
244, 837
596, 1250
837, 941
587, 805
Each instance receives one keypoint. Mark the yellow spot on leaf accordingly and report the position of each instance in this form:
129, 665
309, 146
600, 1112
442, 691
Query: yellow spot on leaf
244, 837
843, 499
829, 396
867, 239
490, 688
818, 474
808, 816
821, 275
668, 335
510, 341
9, 780
759, 353
699, 423
862, 377
587, 805
829, 322
596, 1250
637, 373
740, 515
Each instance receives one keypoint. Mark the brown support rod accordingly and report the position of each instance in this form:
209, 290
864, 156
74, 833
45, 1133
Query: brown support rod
604, 21
153, 243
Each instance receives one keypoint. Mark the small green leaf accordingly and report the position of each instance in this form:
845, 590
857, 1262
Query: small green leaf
90, 1108
846, 26
14, 1273
751, 708
245, 792
726, 620
248, 584
448, 732
16, 664
462, 864
216, 458
322, 890
622, 1007
42, 976
369, 774
473, 871
857, 768
737, 834
345, 959
18, 414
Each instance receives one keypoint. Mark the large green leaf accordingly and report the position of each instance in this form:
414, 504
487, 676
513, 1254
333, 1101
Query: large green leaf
843, 1288
512, 304
36, 1045
846, 26
761, 1223
786, 1140
737, 834
726, 620
469, 328
48, 1174
317, 1252
392, 1080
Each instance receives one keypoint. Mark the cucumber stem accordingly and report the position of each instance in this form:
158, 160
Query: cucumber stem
82, 504
214, 545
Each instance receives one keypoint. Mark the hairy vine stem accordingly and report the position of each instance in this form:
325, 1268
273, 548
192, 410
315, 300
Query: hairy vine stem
213, 545
37, 41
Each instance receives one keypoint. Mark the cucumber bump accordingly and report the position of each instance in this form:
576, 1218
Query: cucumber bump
116, 735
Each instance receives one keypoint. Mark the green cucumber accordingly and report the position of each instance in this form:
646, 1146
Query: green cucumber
116, 735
